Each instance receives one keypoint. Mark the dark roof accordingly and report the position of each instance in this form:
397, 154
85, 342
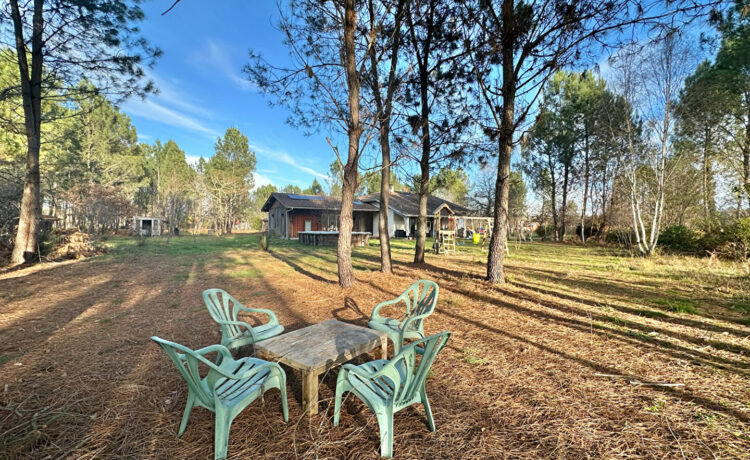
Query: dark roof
407, 204
296, 201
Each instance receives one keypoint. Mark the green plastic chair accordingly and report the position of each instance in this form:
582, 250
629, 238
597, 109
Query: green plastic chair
386, 387
227, 388
224, 309
420, 299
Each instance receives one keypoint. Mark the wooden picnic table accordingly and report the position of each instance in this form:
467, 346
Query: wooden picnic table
317, 348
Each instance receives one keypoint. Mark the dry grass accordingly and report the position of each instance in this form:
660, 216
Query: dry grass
520, 378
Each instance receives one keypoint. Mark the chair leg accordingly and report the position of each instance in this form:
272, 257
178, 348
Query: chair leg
221, 434
427, 410
284, 405
186, 415
385, 422
337, 402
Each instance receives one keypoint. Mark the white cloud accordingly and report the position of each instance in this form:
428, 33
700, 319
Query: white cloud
152, 110
192, 159
171, 106
261, 180
285, 158
215, 55
171, 95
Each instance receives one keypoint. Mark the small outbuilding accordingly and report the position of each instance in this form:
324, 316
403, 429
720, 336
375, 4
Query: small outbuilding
148, 225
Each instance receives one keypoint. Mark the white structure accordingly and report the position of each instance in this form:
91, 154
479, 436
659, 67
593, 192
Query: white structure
147, 226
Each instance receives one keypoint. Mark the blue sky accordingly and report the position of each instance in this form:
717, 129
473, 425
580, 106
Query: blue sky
203, 90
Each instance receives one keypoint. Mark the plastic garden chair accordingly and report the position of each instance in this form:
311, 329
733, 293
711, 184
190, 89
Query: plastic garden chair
420, 299
224, 309
386, 387
227, 388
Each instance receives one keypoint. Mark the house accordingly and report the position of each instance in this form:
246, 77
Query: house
289, 214
403, 212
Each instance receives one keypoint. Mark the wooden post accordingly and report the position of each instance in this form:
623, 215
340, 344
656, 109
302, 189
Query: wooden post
384, 347
310, 392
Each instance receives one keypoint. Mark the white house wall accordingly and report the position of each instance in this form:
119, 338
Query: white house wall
395, 222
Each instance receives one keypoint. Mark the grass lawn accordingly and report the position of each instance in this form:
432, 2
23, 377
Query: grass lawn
560, 362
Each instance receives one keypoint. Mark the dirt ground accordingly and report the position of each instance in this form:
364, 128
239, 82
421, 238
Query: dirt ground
557, 363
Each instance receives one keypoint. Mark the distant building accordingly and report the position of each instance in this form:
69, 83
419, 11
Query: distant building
289, 214
148, 226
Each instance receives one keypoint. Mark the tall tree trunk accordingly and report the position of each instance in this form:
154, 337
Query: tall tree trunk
499, 238
553, 196
349, 187
604, 224
708, 195
31, 88
564, 205
424, 167
385, 185
384, 124
746, 154
586, 165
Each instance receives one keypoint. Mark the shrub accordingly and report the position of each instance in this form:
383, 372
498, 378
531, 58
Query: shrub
620, 236
736, 244
546, 231
679, 238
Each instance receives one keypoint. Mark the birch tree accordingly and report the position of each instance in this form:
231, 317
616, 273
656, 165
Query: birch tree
650, 81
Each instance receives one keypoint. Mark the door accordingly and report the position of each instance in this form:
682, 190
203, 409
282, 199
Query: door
308, 225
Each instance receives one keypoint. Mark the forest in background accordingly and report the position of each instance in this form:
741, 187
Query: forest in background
654, 147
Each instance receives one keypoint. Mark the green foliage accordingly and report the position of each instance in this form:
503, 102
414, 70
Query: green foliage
228, 178
679, 238
658, 406
371, 182
291, 189
450, 184
679, 305
314, 189
736, 242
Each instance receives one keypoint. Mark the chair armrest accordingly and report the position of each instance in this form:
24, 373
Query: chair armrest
405, 324
375, 315
356, 370
272, 319
220, 349
388, 371
239, 323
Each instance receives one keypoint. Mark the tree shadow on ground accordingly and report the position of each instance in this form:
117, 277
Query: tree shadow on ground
601, 368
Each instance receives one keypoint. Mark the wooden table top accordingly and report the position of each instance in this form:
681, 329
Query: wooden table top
320, 346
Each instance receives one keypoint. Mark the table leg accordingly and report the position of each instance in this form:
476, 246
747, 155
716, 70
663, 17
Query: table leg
310, 392
384, 347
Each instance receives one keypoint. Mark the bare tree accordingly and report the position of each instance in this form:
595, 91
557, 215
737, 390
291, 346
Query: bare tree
650, 82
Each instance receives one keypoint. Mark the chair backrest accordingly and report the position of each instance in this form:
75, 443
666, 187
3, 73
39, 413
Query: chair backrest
422, 297
187, 362
416, 373
220, 305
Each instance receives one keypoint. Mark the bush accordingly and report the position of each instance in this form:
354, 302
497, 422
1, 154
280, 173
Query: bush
736, 244
620, 236
680, 239
546, 231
